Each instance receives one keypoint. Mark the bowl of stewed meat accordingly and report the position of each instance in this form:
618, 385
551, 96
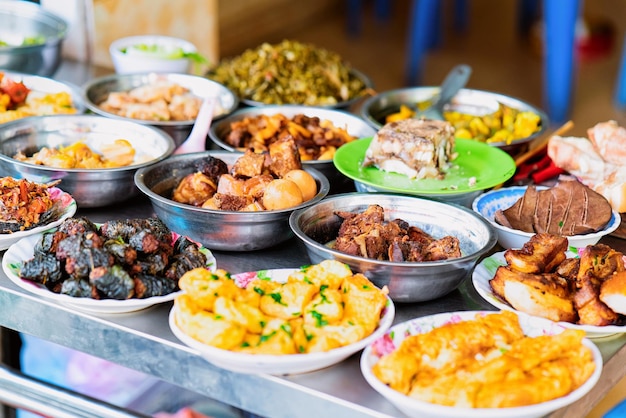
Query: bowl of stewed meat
230, 201
419, 249
318, 133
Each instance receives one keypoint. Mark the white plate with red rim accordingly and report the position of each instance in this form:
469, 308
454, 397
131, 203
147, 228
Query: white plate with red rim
486, 270
278, 364
532, 326
68, 206
23, 250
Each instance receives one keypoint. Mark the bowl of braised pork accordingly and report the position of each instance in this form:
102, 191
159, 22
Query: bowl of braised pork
318, 132
95, 158
168, 101
230, 201
568, 208
419, 249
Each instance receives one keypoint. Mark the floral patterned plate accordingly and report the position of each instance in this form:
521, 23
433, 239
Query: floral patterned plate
68, 204
485, 271
532, 326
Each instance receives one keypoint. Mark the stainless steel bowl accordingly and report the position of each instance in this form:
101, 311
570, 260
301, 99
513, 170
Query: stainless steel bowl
355, 126
20, 20
89, 187
96, 91
216, 229
318, 225
376, 108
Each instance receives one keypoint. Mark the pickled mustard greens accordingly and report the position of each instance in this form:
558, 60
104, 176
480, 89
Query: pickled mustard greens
289, 73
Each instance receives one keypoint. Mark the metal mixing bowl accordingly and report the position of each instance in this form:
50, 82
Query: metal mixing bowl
20, 20
216, 229
97, 90
355, 126
376, 108
318, 225
89, 187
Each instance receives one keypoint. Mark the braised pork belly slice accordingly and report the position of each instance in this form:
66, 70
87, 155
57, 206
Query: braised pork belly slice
598, 263
542, 253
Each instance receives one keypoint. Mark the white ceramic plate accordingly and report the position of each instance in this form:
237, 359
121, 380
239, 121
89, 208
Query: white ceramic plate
532, 326
278, 364
486, 269
69, 209
23, 250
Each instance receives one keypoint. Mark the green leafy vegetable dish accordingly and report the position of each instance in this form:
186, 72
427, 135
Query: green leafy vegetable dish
163, 51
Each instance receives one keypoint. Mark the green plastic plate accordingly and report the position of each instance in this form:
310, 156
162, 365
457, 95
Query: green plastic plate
478, 166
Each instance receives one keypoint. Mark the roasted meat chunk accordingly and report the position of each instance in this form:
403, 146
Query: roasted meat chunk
597, 263
368, 234
541, 253
194, 189
547, 295
284, 157
250, 164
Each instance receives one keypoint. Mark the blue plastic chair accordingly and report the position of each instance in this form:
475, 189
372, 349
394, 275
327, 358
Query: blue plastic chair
560, 18
618, 411
620, 91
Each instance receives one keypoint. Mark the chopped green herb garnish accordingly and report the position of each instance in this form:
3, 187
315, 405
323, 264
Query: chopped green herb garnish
278, 298
319, 319
266, 337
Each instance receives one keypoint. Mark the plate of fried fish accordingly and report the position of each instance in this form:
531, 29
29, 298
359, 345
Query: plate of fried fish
545, 278
481, 364
476, 166
30, 208
118, 266
279, 321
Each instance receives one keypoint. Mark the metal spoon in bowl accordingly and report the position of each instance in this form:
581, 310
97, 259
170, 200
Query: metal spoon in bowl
454, 81
196, 141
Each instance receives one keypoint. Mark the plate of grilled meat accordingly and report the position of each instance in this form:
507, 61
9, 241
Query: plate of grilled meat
119, 266
581, 288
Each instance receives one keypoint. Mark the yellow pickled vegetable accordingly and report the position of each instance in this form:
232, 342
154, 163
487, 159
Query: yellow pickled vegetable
504, 125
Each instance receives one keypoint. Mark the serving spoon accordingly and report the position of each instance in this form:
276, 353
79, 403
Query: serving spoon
455, 80
196, 141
